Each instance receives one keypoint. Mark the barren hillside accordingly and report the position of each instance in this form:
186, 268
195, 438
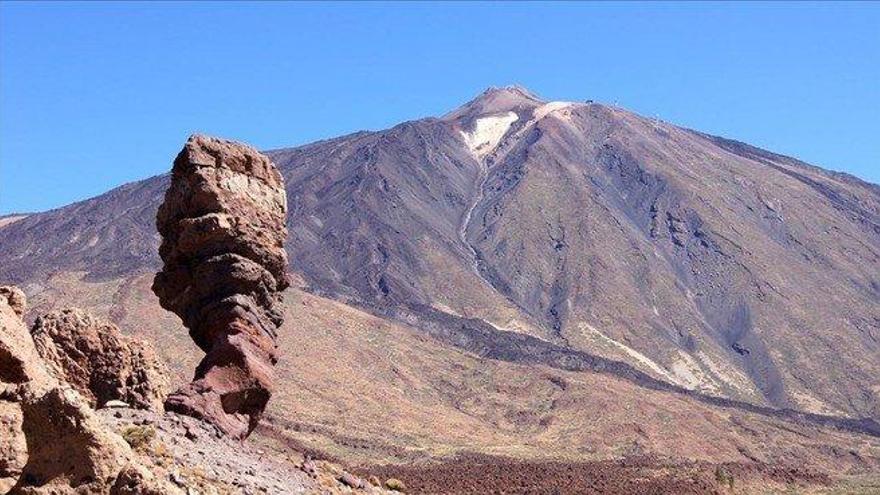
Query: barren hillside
534, 279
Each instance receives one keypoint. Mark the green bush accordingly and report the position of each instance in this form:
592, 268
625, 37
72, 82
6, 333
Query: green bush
139, 437
395, 484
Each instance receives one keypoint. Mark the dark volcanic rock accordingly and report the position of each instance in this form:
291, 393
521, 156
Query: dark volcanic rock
643, 475
223, 231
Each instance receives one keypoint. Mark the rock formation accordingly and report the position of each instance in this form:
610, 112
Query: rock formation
98, 361
15, 298
69, 449
223, 231
52, 441
20, 374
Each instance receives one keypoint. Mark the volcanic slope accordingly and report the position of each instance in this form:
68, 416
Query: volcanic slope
574, 226
366, 390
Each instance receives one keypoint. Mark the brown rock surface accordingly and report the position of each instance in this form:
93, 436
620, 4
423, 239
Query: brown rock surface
51, 441
223, 229
15, 298
71, 451
97, 360
13, 448
21, 375
21, 369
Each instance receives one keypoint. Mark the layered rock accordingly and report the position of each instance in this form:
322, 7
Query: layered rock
52, 442
97, 360
223, 230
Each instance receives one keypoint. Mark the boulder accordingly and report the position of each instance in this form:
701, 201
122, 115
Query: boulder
223, 230
21, 374
97, 360
13, 447
71, 451
51, 441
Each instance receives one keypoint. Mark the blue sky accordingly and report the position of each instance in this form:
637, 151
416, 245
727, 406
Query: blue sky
93, 95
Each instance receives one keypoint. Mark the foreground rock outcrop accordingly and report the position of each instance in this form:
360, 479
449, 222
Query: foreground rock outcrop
21, 376
53, 443
199, 460
99, 362
223, 231
15, 298
69, 449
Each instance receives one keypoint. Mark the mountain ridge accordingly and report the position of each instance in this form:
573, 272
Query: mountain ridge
377, 216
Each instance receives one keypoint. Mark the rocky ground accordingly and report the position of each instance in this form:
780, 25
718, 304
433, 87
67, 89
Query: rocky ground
643, 475
386, 395
55, 442
196, 457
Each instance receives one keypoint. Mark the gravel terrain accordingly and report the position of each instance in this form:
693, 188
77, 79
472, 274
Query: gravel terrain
198, 458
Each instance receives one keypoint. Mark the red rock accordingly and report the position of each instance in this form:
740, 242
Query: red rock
223, 231
351, 480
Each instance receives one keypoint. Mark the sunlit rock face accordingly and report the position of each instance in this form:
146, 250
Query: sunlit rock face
98, 361
223, 230
51, 441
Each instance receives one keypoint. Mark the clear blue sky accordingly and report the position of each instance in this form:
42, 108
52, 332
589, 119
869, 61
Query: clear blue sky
94, 95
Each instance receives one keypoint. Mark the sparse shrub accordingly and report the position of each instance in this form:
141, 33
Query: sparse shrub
723, 477
395, 484
375, 481
139, 437
161, 455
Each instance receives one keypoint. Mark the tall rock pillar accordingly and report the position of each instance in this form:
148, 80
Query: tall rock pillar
223, 230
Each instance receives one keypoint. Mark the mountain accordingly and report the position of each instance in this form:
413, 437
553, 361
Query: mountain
515, 244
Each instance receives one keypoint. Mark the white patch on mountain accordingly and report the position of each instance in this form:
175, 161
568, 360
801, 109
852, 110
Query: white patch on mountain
548, 108
487, 132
